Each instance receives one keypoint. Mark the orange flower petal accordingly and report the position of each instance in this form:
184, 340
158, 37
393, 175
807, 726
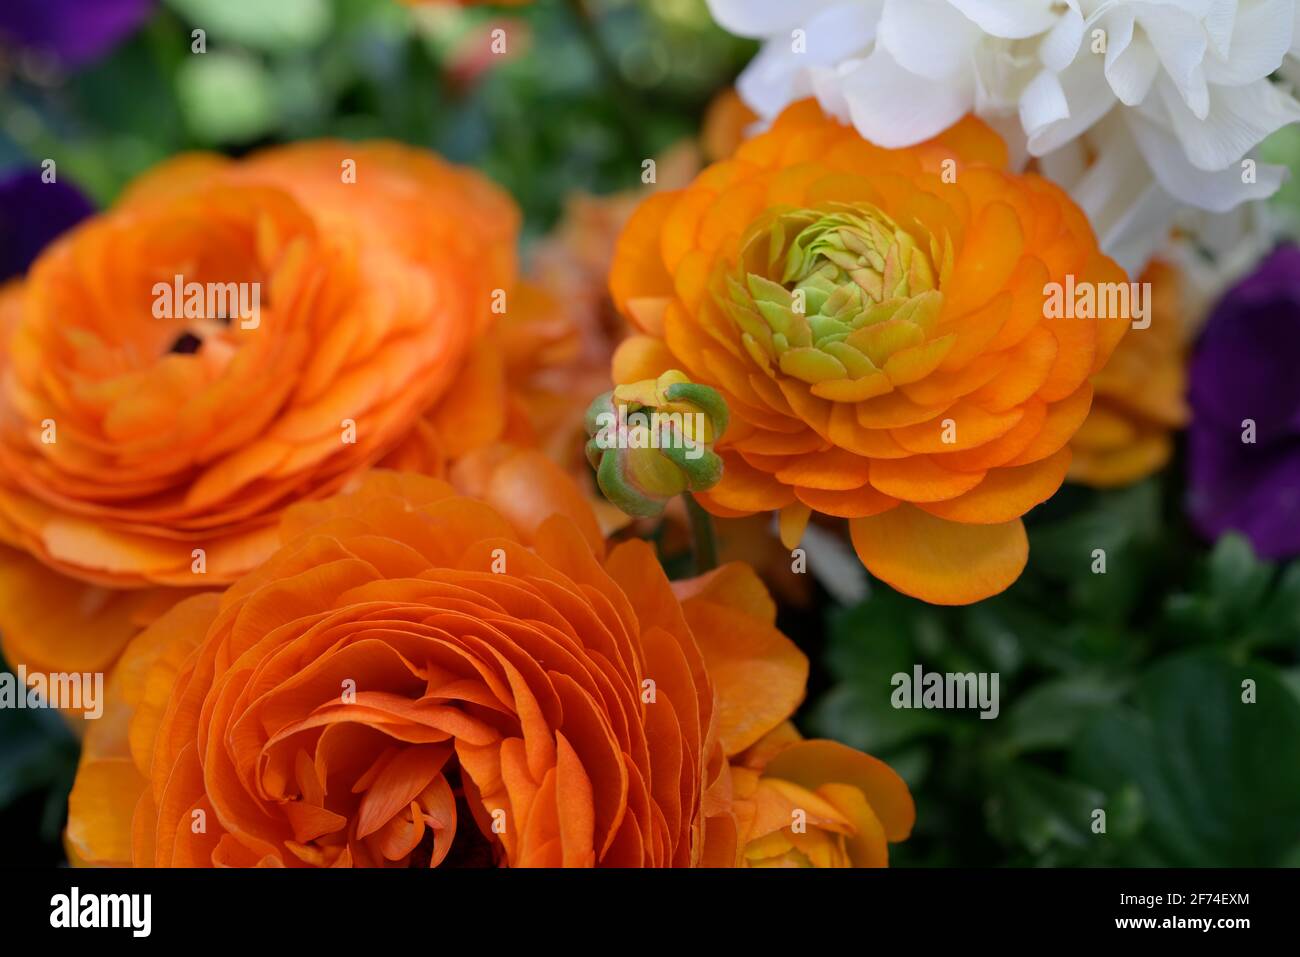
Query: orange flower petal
742, 654
640, 357
942, 562
100, 807
811, 764
1005, 494
745, 489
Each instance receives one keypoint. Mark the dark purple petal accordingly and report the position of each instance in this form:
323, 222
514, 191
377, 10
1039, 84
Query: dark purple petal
74, 31
1247, 367
33, 213
1250, 489
1280, 269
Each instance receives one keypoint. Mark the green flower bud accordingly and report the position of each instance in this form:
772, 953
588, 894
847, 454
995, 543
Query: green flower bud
652, 440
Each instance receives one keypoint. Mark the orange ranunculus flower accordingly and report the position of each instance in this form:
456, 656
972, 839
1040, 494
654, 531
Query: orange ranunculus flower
144, 452
816, 804
1139, 401
875, 319
420, 677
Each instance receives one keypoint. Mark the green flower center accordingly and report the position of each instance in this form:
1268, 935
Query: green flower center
832, 293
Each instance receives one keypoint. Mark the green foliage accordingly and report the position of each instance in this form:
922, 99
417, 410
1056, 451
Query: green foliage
282, 26
1218, 779
226, 97
1283, 148
38, 759
1120, 692
584, 93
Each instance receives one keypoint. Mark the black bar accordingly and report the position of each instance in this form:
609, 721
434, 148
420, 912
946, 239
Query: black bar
203, 907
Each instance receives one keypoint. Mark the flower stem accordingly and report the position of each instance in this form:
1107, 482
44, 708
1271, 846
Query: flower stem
704, 538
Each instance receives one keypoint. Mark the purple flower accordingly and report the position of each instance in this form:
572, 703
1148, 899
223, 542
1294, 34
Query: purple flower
73, 31
31, 214
1244, 442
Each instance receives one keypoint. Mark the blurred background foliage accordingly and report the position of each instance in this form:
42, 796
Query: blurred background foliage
1124, 691
1120, 691
584, 91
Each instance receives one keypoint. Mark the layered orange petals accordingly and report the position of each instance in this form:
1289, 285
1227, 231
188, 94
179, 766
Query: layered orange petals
54, 623
133, 435
817, 804
1140, 395
418, 677
157, 454
931, 400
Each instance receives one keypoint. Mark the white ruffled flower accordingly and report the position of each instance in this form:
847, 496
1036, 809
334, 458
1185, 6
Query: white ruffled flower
1139, 107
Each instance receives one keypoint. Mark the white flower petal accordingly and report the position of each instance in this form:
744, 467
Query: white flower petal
828, 87
843, 31
1197, 94
1128, 209
764, 18
1131, 63
1161, 119
1043, 103
1218, 24
1141, 230
1260, 40
1239, 117
1089, 99
1062, 43
894, 108
1217, 191
778, 75
1225, 248
1181, 44
1197, 9
1112, 191
1067, 165
774, 79
1100, 187
1011, 19
1000, 76
928, 37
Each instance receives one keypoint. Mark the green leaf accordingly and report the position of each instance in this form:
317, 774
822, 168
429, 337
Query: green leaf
1278, 622
1283, 147
870, 643
226, 98
273, 25
1050, 715
1238, 579
1238, 601
1035, 809
1220, 778
863, 718
882, 635
1121, 528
